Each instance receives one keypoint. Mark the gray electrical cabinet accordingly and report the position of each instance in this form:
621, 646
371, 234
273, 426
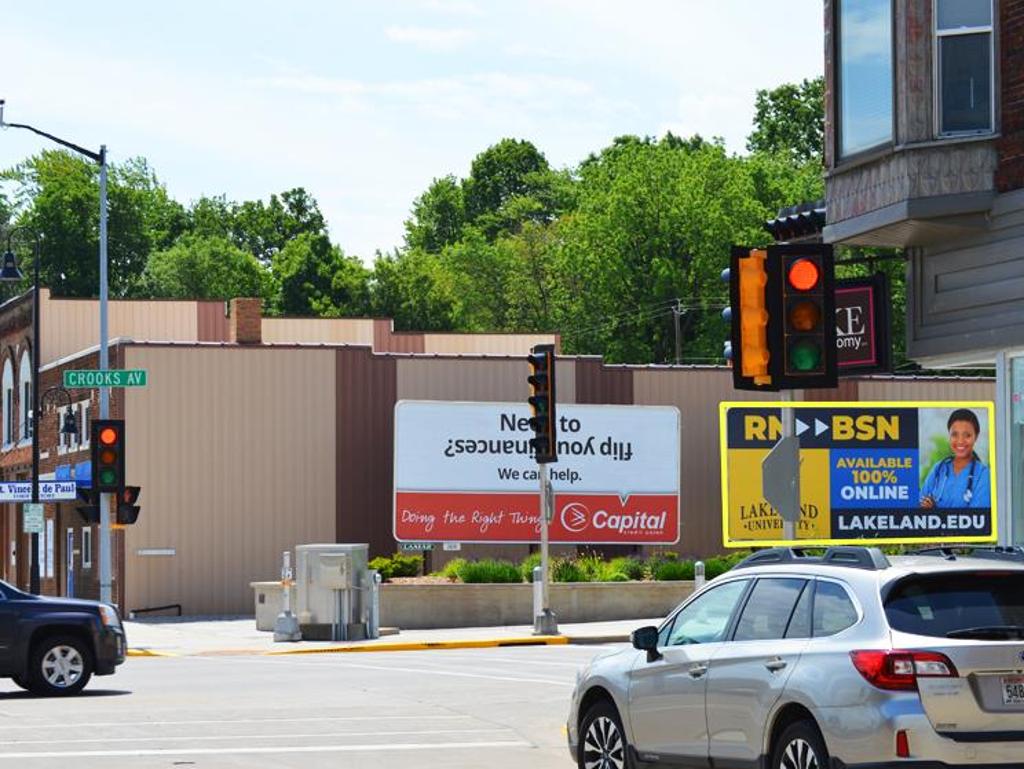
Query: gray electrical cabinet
333, 599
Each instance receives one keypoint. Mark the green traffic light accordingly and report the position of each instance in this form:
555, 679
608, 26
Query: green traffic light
108, 477
805, 355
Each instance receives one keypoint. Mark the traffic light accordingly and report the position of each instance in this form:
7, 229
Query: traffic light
542, 403
127, 510
807, 335
89, 508
782, 317
747, 313
108, 455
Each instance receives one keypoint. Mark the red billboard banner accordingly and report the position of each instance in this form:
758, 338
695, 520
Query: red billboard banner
593, 518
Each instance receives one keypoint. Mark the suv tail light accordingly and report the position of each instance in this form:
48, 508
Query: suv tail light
899, 670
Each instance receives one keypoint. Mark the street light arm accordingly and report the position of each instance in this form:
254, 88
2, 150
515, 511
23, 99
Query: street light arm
96, 157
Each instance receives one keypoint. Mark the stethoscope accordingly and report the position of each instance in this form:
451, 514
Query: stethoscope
946, 469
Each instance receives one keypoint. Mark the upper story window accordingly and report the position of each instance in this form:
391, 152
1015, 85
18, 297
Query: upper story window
8, 402
963, 66
25, 395
864, 74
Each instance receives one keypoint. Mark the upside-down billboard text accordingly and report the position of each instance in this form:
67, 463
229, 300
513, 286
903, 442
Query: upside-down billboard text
464, 473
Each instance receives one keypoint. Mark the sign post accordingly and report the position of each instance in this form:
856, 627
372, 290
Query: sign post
545, 622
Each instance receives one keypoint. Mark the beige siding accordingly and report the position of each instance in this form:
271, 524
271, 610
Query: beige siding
491, 344
235, 453
479, 379
318, 331
696, 393
927, 390
71, 325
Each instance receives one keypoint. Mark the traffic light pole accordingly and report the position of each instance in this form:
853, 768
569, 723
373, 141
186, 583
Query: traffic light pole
106, 592
788, 428
545, 623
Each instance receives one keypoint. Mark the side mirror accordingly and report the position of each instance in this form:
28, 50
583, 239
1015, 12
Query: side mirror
646, 640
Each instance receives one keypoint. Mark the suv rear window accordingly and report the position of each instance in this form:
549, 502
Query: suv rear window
965, 604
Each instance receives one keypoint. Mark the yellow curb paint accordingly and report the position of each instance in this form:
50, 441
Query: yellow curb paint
423, 645
147, 653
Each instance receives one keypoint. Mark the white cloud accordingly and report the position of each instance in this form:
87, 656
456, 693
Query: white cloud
454, 7
434, 39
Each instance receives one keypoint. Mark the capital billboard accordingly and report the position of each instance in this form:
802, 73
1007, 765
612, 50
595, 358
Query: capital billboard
870, 473
464, 472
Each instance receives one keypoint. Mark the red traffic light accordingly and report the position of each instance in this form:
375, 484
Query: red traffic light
108, 436
803, 274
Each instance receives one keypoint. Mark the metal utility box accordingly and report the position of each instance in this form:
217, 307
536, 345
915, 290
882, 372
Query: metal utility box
333, 600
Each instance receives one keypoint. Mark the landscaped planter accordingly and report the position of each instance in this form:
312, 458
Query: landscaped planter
458, 605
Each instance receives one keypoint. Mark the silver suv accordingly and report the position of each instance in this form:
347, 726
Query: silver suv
848, 659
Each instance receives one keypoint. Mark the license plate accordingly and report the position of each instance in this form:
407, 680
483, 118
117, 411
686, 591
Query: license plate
1013, 690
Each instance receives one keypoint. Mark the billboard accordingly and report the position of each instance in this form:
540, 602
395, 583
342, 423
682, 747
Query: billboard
464, 472
870, 473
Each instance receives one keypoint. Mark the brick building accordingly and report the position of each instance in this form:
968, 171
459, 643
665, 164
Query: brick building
924, 151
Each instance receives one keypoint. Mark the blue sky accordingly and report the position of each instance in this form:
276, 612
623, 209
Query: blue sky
365, 103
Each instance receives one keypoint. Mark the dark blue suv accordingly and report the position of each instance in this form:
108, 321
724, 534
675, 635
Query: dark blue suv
53, 646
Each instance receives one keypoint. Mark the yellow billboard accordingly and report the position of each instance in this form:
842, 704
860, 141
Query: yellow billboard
870, 472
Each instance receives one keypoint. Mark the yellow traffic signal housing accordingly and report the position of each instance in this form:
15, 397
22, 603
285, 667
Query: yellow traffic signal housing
754, 352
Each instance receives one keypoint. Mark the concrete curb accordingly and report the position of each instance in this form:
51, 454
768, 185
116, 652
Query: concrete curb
489, 643
423, 645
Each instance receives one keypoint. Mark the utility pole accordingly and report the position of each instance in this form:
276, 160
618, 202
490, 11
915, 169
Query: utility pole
677, 311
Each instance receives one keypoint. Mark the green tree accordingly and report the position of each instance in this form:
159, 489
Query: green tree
438, 216
56, 194
204, 267
510, 169
790, 120
264, 229
316, 278
412, 287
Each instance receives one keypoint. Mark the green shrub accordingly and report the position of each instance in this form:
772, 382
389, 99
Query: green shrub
632, 568
489, 571
596, 569
672, 570
527, 566
382, 564
618, 577
567, 570
403, 565
716, 566
451, 569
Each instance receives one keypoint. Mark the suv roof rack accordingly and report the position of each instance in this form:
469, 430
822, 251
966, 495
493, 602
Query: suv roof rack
867, 558
993, 553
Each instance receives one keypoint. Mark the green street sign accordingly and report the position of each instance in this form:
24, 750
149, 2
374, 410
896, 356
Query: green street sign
132, 377
32, 518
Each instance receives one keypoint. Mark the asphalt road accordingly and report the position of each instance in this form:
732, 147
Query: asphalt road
491, 708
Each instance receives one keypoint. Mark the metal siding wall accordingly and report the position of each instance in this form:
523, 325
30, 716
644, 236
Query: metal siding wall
697, 394
71, 325
235, 453
597, 383
927, 390
490, 344
365, 437
318, 331
212, 321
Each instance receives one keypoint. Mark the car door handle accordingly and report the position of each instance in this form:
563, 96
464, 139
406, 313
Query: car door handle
696, 671
776, 664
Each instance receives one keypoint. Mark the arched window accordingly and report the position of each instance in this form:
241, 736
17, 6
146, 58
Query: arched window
25, 394
8, 402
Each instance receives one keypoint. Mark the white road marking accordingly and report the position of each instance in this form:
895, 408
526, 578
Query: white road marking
288, 736
94, 724
291, 749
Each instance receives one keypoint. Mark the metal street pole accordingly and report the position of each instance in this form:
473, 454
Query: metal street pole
788, 427
34, 574
106, 591
545, 623
101, 159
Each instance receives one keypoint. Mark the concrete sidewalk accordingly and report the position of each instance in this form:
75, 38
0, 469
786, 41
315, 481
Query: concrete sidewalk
180, 636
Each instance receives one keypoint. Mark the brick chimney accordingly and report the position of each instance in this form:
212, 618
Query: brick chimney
246, 323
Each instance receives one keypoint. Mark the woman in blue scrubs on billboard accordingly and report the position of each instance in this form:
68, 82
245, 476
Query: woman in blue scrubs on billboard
961, 479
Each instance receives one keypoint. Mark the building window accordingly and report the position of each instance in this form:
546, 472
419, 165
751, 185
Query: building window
864, 74
25, 393
8, 404
963, 67
86, 547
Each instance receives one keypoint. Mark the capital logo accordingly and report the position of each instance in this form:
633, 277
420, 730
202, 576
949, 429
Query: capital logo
575, 517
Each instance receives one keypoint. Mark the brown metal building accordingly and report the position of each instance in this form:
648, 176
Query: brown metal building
245, 447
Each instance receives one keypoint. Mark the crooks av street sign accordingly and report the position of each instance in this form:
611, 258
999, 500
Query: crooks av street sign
115, 378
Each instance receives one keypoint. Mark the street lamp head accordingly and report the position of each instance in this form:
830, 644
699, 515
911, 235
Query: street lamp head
10, 272
70, 426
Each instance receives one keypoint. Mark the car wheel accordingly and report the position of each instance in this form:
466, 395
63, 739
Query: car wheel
800, 747
60, 665
602, 739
